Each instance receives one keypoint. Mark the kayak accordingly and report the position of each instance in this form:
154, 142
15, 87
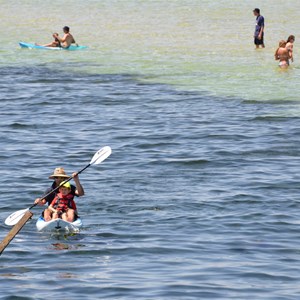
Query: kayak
33, 46
58, 225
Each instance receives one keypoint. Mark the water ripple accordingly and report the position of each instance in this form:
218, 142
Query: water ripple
198, 200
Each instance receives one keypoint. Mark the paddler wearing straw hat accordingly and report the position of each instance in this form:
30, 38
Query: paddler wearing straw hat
59, 175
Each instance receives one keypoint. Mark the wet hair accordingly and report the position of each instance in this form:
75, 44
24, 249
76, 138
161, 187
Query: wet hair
282, 43
56, 39
257, 10
66, 28
291, 37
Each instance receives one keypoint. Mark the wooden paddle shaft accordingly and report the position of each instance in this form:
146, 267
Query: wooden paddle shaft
14, 231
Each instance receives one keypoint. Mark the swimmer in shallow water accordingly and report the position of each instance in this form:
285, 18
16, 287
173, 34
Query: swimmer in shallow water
259, 29
289, 45
283, 55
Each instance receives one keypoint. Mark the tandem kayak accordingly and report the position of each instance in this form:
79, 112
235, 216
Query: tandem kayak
58, 225
33, 46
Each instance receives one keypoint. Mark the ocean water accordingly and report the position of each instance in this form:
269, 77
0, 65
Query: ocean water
200, 197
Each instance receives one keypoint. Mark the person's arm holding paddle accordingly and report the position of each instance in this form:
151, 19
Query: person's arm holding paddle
43, 201
17, 216
39, 201
79, 189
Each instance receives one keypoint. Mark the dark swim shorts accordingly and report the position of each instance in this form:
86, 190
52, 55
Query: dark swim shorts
258, 42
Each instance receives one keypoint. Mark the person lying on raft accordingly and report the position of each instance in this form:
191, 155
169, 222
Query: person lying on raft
59, 175
55, 43
63, 205
283, 55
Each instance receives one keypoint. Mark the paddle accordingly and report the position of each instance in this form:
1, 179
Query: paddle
14, 231
98, 157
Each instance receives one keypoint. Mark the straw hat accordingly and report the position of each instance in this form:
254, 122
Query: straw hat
59, 172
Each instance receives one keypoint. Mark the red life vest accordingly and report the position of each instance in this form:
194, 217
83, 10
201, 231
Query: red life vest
63, 202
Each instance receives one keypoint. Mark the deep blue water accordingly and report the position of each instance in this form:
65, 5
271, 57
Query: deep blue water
199, 200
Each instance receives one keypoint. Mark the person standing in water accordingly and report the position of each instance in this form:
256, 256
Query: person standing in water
289, 45
259, 29
283, 55
67, 39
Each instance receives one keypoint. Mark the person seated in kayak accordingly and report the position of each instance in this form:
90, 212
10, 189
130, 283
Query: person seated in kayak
55, 43
63, 205
59, 175
67, 39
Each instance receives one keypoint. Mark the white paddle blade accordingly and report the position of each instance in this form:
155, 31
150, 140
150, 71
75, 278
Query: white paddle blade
15, 217
101, 155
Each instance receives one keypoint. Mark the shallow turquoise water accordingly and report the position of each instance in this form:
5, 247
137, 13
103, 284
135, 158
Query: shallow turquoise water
205, 46
199, 199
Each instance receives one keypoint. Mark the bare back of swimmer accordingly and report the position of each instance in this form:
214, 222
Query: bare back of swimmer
283, 55
67, 39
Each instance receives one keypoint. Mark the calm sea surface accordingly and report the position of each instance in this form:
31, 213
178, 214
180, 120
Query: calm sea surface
200, 197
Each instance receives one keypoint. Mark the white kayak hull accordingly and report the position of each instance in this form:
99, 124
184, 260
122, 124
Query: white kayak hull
58, 225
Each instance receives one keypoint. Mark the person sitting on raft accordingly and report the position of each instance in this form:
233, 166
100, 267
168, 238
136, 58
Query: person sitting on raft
55, 43
67, 39
63, 205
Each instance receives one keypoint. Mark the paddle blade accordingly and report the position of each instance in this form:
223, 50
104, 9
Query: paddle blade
15, 217
101, 155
